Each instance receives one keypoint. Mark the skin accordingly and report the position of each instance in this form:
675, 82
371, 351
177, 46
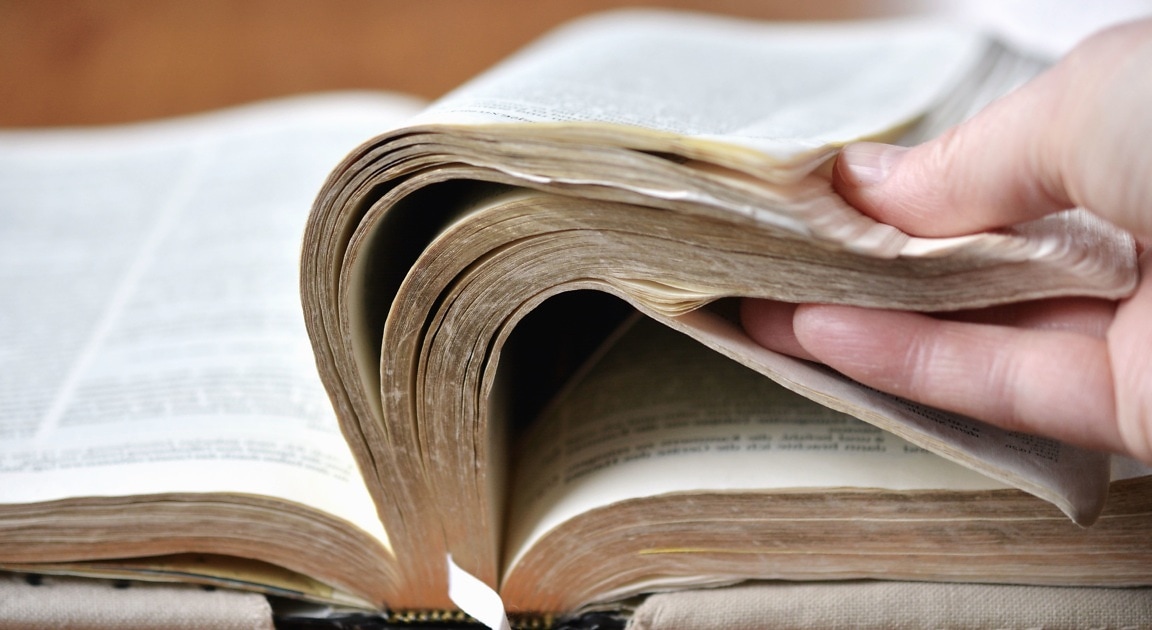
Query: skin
1080, 370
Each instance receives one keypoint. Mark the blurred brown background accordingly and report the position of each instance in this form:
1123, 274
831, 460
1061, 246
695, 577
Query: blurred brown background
72, 62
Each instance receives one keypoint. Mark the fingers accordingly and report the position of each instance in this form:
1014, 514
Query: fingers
1087, 316
994, 170
1130, 345
1041, 367
1048, 382
1074, 136
769, 323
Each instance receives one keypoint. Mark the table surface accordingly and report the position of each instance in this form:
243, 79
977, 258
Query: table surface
78, 62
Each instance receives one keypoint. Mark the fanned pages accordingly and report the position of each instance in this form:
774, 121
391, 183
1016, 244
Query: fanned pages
518, 355
672, 162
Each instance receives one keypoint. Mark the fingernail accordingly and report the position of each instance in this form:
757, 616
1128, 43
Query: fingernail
868, 163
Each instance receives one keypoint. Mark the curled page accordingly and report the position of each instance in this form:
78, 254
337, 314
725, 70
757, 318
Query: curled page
476, 598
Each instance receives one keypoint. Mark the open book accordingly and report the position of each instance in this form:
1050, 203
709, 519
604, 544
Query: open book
470, 282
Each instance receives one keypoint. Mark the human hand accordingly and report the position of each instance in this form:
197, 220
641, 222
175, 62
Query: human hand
1079, 370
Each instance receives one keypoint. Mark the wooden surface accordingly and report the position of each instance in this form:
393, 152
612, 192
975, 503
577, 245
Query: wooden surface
91, 62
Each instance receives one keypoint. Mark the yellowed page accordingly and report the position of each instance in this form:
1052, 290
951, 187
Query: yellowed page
1074, 479
660, 413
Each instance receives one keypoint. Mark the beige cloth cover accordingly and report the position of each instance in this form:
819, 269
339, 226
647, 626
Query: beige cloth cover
894, 606
77, 604
80, 604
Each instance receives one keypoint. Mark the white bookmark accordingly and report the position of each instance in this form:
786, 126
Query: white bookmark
476, 598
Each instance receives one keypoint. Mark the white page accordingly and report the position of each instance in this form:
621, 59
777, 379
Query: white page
151, 336
830, 83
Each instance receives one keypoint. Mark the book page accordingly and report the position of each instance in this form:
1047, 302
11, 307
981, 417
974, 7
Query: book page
1074, 479
785, 89
659, 413
151, 336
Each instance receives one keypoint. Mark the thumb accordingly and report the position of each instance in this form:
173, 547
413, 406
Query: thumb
1074, 136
